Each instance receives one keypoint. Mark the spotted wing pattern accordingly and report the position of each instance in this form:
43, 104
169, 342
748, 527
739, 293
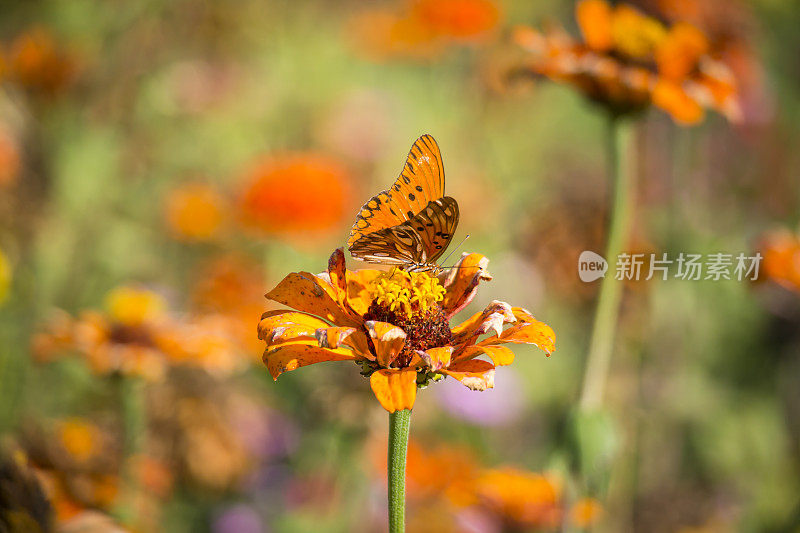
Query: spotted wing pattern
421, 181
412, 222
418, 241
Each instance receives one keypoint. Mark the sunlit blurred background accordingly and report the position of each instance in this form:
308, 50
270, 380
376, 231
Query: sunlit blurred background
164, 164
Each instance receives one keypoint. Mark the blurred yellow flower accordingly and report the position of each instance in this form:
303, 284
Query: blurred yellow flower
302, 192
132, 306
396, 327
195, 212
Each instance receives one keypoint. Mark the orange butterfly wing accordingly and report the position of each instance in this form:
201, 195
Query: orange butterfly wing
420, 240
421, 181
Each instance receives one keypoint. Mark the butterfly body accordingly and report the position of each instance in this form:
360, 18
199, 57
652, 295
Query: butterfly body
410, 224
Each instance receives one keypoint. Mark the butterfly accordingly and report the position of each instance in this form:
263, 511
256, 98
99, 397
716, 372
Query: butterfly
411, 223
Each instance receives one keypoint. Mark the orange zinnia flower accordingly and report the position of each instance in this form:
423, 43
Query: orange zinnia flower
395, 325
628, 61
296, 192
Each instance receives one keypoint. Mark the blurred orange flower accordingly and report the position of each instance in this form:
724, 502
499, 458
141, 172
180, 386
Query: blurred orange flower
457, 19
79, 438
451, 477
628, 61
137, 336
231, 288
728, 27
395, 326
200, 434
423, 28
294, 193
521, 499
585, 512
195, 212
78, 463
35, 61
10, 161
781, 263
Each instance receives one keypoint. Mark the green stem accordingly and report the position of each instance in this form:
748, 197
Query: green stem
131, 399
620, 169
399, 424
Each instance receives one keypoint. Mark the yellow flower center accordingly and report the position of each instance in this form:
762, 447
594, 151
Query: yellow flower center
131, 306
407, 291
635, 34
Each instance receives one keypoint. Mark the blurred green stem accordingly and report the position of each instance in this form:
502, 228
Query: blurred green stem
399, 424
620, 170
131, 402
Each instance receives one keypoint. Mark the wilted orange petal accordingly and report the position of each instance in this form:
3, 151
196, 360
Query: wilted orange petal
500, 355
475, 374
358, 294
337, 272
333, 337
438, 358
594, 19
279, 324
288, 357
395, 389
493, 317
308, 293
461, 282
388, 340
536, 333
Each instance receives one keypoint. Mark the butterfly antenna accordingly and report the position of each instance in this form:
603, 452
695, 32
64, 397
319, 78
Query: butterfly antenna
454, 249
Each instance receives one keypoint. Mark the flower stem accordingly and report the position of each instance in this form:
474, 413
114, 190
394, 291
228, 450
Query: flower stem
132, 410
620, 169
399, 424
